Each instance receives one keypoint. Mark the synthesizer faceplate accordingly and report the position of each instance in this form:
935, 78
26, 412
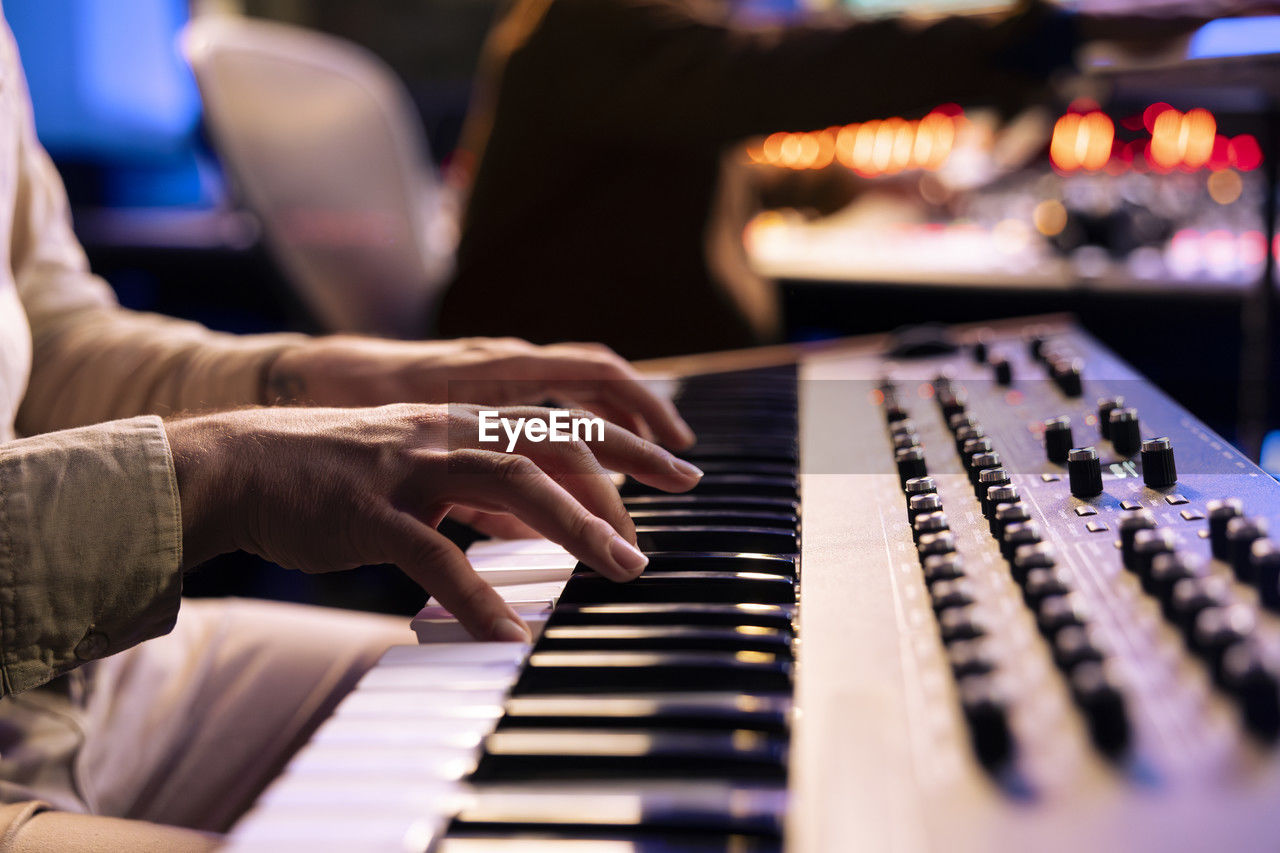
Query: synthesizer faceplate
883, 755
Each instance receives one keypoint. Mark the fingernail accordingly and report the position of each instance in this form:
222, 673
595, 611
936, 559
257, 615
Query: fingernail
685, 469
508, 631
627, 555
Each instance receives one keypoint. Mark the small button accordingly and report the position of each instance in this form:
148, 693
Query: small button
1194, 515
1130, 505
1175, 500
92, 646
1096, 527
1050, 478
1083, 511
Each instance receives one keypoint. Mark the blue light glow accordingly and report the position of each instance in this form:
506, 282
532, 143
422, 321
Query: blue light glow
1236, 37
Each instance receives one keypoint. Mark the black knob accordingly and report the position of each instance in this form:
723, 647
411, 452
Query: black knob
960, 420
1221, 512
952, 403
1061, 611
1069, 373
1017, 535
985, 709
1084, 472
1035, 346
1044, 581
1265, 557
980, 351
1100, 700
1125, 437
1251, 679
968, 432
901, 427
1192, 595
1002, 370
920, 486
943, 567
929, 522
918, 505
905, 439
1217, 629
1130, 526
979, 462
942, 542
1105, 407
996, 495
1038, 555
987, 478
894, 410
1007, 514
1076, 645
1057, 439
910, 464
1147, 545
1167, 570
975, 445
1158, 469
1241, 534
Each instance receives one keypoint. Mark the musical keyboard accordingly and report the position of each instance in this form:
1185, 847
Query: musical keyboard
903, 611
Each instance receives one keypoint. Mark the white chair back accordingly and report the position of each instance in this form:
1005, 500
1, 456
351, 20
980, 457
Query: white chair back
323, 144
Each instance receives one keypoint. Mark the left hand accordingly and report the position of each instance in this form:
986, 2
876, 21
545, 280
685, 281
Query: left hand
346, 371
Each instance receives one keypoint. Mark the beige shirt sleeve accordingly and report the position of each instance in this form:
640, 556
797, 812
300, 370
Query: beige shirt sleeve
90, 547
90, 521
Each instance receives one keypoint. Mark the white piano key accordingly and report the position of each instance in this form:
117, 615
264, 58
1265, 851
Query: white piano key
532, 601
470, 652
396, 704
462, 677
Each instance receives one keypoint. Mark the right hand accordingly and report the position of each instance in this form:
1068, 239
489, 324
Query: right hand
330, 489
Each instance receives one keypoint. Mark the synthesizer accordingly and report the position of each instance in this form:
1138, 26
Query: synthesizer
967, 589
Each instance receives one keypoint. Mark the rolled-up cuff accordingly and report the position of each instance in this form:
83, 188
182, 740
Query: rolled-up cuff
90, 546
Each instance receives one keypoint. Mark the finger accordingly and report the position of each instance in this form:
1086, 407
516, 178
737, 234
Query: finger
574, 466
627, 453
443, 571
498, 525
610, 378
514, 484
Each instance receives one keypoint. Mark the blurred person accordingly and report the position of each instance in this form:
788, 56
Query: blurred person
595, 154
133, 720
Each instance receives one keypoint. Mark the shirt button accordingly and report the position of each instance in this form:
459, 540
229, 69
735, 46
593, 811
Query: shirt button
93, 646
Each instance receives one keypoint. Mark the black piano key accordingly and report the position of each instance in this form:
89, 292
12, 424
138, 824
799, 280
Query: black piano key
541, 754
712, 517
757, 712
723, 587
637, 672
506, 838
714, 503
758, 540
757, 810
780, 616
731, 465
652, 638
773, 564
728, 484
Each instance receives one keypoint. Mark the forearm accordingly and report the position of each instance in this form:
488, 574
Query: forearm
102, 362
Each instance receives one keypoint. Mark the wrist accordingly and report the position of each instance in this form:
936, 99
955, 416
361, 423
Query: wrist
207, 484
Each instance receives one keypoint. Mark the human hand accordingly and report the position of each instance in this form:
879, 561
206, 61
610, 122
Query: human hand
354, 371
329, 489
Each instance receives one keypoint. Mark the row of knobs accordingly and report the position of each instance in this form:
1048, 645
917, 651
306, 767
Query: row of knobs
1120, 425
1066, 372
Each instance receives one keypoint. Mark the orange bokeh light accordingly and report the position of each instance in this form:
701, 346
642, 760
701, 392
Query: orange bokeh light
871, 148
